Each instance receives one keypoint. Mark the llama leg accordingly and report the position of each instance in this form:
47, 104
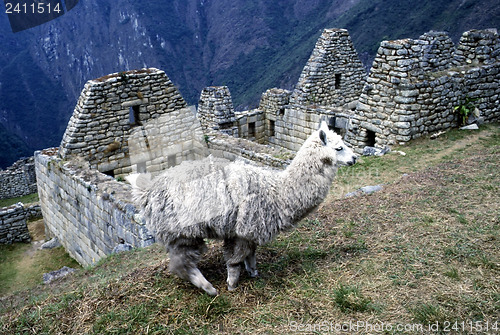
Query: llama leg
235, 252
251, 264
184, 257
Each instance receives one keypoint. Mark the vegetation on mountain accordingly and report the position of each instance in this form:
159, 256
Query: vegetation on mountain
249, 46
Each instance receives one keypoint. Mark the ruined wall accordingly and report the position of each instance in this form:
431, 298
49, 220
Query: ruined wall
414, 85
166, 141
13, 227
18, 180
334, 75
232, 148
477, 47
298, 122
109, 108
273, 103
252, 125
274, 100
216, 111
90, 213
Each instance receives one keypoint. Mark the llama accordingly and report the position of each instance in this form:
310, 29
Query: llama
242, 204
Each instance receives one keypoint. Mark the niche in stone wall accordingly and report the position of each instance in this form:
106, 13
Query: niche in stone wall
141, 167
272, 128
370, 138
171, 160
251, 129
110, 173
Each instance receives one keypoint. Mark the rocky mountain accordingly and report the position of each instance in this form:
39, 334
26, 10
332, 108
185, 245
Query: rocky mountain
248, 45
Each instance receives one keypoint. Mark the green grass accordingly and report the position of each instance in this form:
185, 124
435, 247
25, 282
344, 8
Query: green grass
421, 251
349, 299
19, 270
27, 199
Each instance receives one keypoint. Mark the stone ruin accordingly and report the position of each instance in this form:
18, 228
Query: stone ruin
414, 84
137, 121
411, 90
18, 180
126, 122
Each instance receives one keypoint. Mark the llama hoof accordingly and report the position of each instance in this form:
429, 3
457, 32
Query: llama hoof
211, 291
231, 288
254, 274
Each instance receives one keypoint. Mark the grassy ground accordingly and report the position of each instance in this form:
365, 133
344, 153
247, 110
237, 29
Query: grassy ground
23, 264
27, 199
421, 256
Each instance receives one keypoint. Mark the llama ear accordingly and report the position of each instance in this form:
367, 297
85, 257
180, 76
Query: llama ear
323, 125
322, 136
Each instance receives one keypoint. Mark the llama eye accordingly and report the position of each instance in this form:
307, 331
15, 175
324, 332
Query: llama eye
339, 149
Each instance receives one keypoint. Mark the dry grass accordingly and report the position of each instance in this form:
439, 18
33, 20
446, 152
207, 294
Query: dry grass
423, 250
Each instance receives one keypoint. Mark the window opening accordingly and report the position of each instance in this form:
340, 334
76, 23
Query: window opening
171, 160
338, 77
134, 115
141, 167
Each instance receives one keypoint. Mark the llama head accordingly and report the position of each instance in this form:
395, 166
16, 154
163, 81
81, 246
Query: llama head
336, 146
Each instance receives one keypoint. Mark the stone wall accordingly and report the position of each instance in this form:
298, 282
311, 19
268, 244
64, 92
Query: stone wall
299, 121
477, 47
274, 100
13, 225
232, 148
252, 125
89, 212
414, 85
216, 111
334, 75
109, 109
18, 180
165, 141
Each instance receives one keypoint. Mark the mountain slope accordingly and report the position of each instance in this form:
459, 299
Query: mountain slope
249, 46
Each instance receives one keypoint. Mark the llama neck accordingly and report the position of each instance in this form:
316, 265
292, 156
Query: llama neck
305, 183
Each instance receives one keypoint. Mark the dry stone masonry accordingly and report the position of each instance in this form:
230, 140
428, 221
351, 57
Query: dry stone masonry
125, 122
89, 212
216, 111
137, 121
18, 180
109, 109
13, 222
414, 85
334, 75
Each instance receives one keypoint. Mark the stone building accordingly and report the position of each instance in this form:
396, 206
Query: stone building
333, 75
216, 111
142, 106
411, 90
414, 85
328, 88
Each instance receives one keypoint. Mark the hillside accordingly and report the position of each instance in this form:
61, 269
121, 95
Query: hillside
421, 253
249, 46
